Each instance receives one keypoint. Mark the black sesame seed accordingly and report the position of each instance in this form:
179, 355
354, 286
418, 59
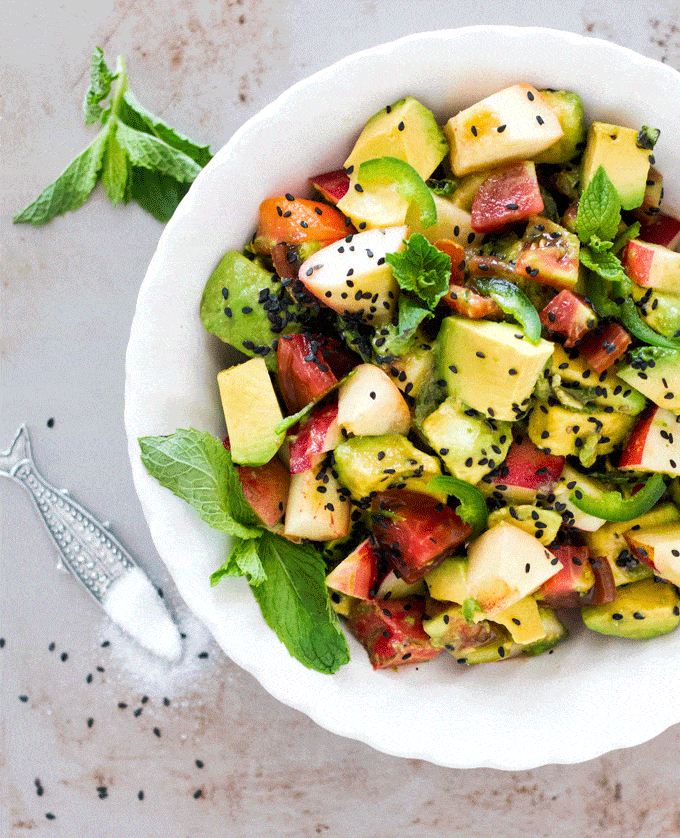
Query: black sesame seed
289, 197
140, 795
157, 732
198, 793
401, 126
501, 128
473, 130
539, 119
358, 187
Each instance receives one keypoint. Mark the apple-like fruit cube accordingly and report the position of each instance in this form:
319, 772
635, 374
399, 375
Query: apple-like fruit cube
654, 444
665, 231
356, 575
319, 434
317, 506
514, 124
332, 185
659, 547
370, 404
352, 276
505, 564
652, 266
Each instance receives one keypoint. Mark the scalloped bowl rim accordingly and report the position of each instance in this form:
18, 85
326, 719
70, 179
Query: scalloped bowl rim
410, 713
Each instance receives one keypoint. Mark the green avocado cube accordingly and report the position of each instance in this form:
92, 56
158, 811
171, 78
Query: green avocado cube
640, 611
491, 367
615, 149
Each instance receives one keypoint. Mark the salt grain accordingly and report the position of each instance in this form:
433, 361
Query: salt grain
133, 603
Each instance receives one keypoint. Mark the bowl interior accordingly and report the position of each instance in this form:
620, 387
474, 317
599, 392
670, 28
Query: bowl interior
527, 712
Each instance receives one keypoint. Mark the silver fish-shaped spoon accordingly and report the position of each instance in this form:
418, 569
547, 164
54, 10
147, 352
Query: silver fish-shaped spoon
95, 557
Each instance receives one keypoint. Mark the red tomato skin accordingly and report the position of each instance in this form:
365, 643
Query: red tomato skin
560, 590
569, 315
508, 195
296, 221
391, 631
602, 349
414, 531
301, 381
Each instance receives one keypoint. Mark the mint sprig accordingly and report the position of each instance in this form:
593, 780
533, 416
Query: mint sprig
423, 272
288, 580
599, 209
135, 155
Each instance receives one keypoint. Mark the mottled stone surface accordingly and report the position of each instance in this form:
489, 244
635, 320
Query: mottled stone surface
69, 292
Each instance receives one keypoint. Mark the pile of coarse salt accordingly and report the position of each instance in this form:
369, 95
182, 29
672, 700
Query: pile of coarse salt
161, 659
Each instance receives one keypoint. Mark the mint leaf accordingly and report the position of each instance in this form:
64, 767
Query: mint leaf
599, 210
598, 246
70, 190
158, 194
243, 561
470, 608
197, 468
101, 79
604, 264
295, 604
151, 153
155, 125
411, 313
115, 170
422, 269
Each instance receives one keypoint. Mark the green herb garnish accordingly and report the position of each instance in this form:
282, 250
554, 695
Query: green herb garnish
135, 155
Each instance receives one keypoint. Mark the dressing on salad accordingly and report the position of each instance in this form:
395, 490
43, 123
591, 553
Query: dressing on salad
461, 408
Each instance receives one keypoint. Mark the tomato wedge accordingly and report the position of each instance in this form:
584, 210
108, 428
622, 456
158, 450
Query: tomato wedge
299, 220
415, 531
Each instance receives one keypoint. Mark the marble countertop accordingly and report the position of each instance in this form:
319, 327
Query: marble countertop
97, 738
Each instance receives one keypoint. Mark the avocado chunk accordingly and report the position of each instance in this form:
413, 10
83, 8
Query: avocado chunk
469, 444
453, 223
609, 544
655, 372
251, 411
368, 464
615, 149
522, 620
659, 309
559, 430
543, 524
406, 130
500, 648
410, 361
554, 633
640, 611
491, 366
231, 307
569, 110
450, 630
448, 581
580, 381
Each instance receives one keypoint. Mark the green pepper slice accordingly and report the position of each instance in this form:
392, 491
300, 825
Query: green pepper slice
408, 182
612, 506
596, 292
637, 326
514, 302
472, 508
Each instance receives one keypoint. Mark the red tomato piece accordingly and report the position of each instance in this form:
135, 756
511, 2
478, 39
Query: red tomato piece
562, 589
391, 631
664, 231
569, 315
415, 531
304, 376
508, 195
264, 487
319, 434
602, 348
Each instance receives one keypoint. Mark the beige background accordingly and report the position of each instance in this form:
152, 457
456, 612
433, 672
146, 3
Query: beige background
68, 296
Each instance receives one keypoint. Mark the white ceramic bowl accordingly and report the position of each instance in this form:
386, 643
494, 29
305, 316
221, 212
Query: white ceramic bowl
593, 694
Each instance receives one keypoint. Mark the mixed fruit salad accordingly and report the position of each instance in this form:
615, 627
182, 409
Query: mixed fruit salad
461, 409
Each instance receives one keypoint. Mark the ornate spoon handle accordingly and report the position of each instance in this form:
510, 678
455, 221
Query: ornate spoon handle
88, 549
